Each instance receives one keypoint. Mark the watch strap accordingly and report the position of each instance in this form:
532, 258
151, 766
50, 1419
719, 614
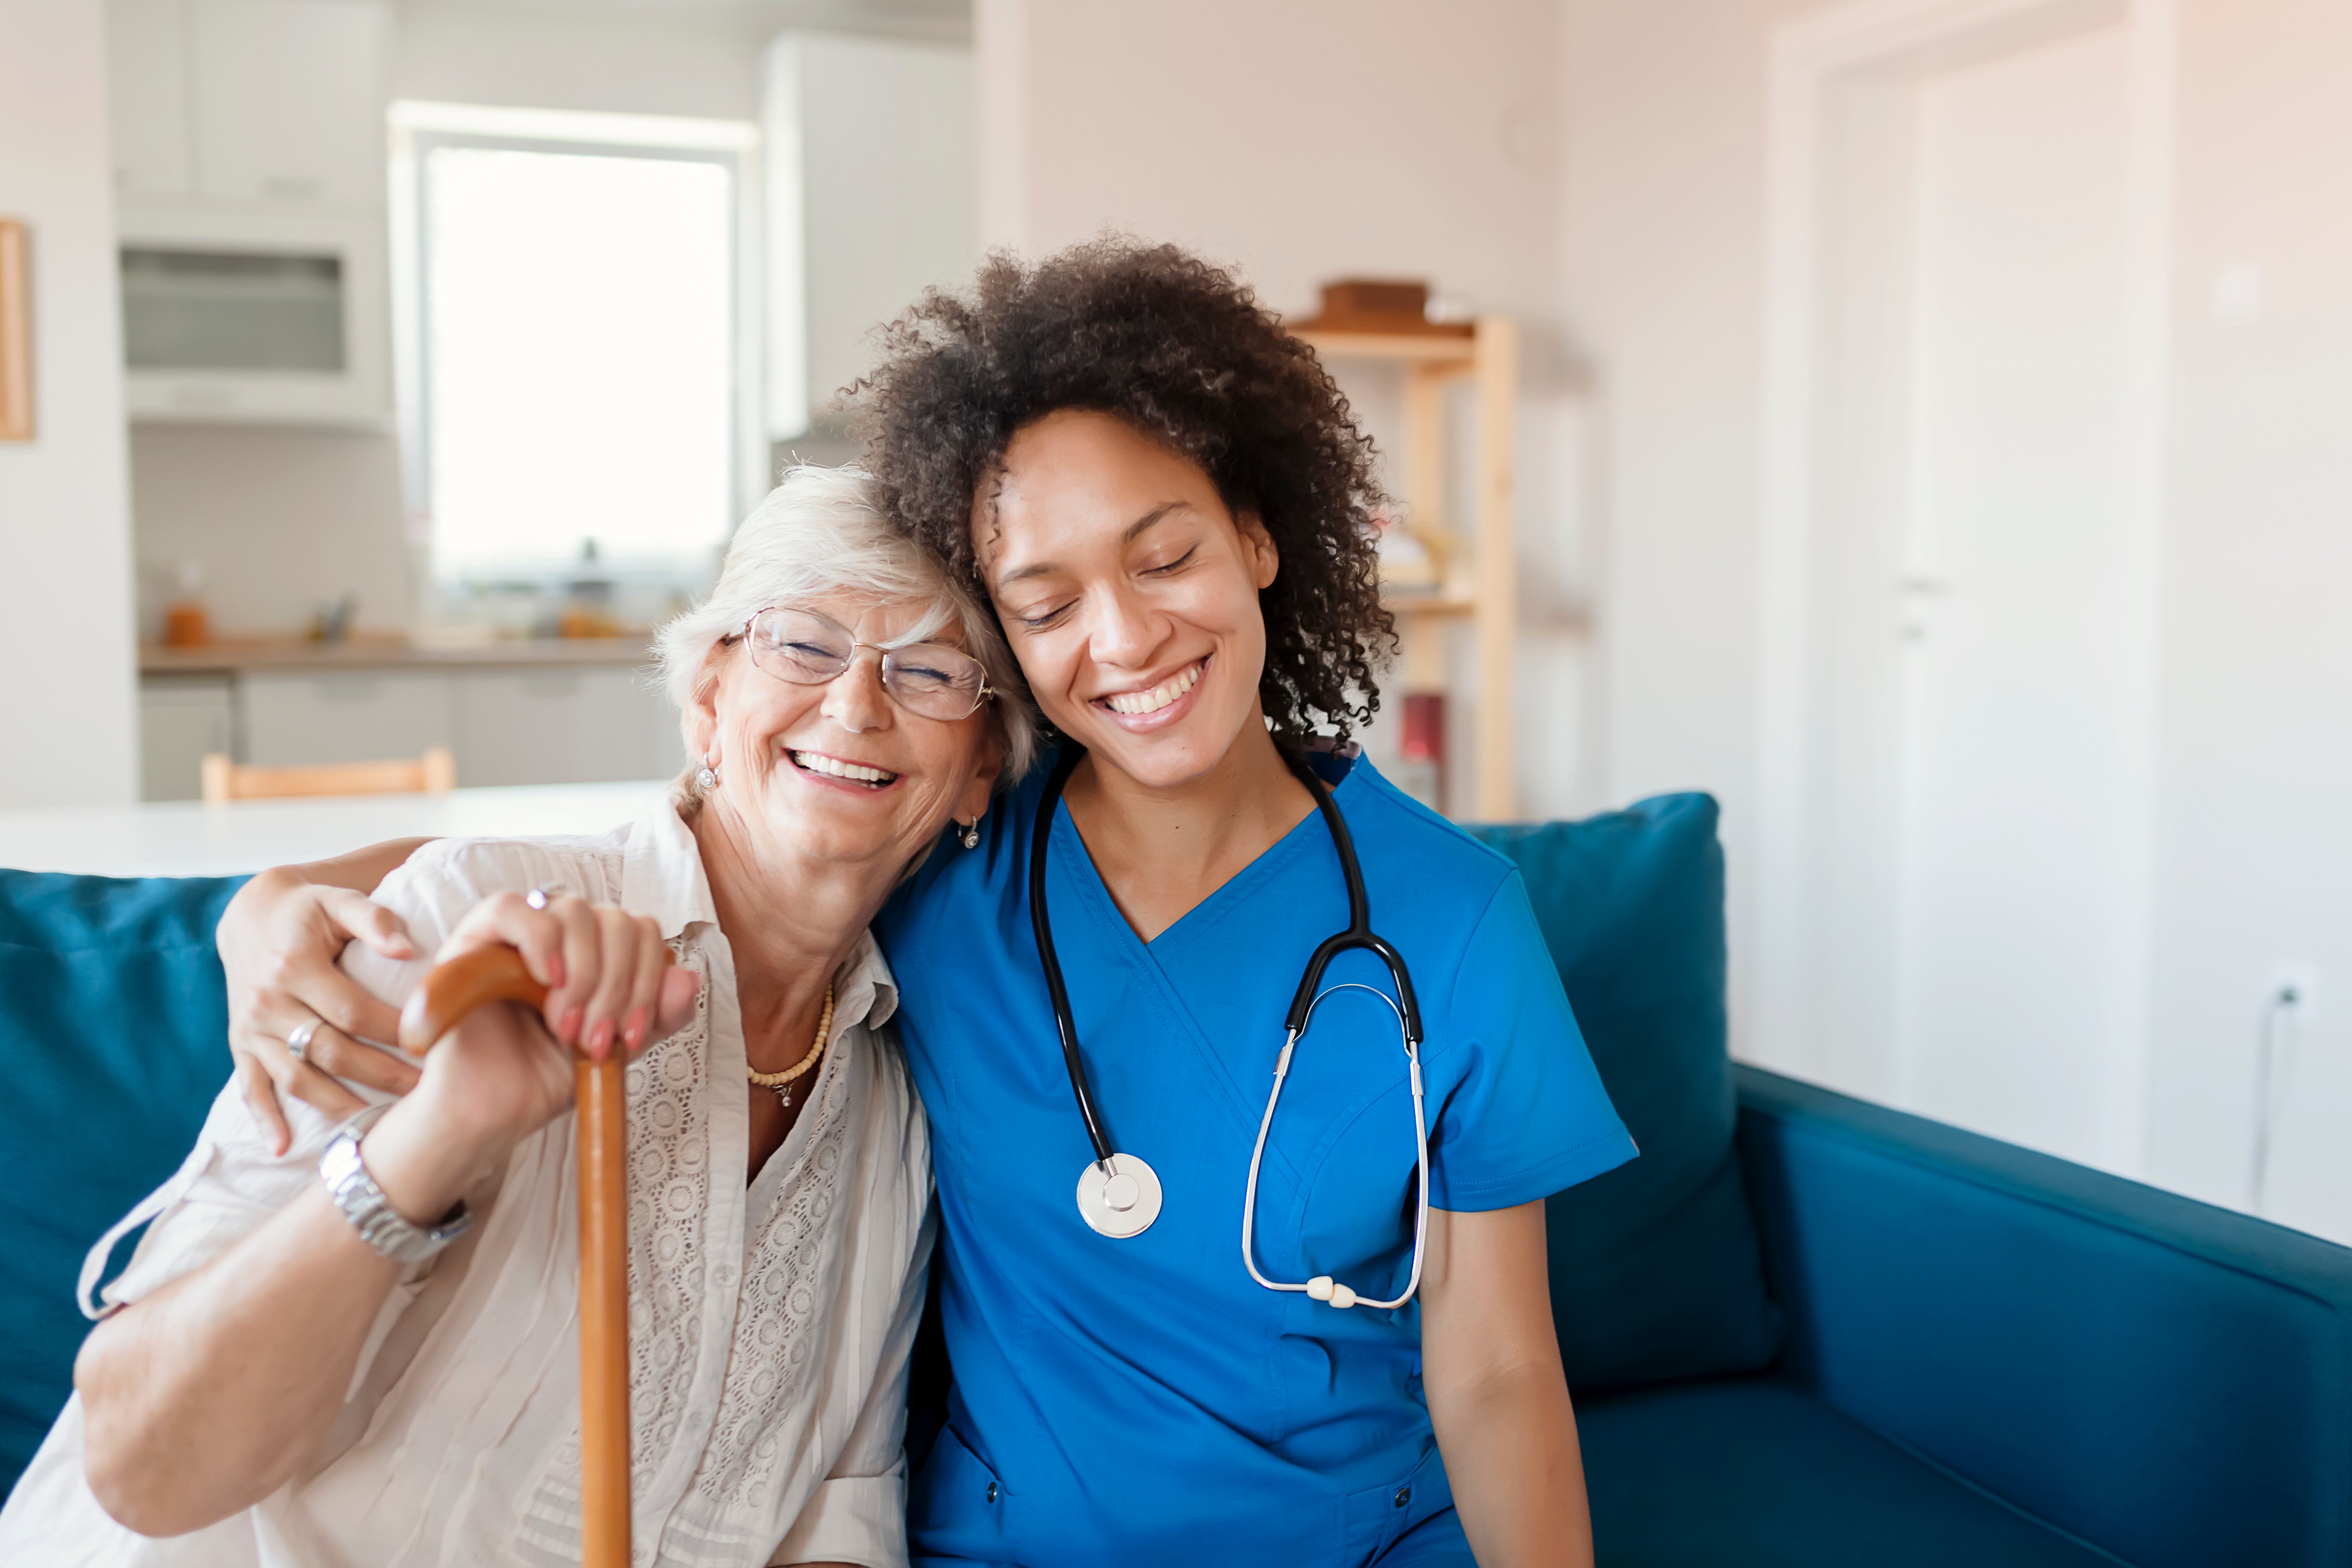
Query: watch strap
362, 1203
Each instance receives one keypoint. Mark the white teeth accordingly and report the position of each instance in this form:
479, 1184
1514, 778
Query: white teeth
1159, 697
834, 767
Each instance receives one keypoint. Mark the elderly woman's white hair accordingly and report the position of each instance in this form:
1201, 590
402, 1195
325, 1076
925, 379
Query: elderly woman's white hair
819, 532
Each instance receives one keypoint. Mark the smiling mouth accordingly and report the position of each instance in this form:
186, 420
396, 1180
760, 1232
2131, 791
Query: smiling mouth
1135, 704
835, 768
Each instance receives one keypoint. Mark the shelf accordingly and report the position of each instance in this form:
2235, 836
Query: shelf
1480, 593
369, 650
1410, 348
1439, 604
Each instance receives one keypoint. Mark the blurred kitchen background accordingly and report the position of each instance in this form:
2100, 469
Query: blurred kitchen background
1924, 424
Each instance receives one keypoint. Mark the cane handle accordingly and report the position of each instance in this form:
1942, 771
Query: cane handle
467, 982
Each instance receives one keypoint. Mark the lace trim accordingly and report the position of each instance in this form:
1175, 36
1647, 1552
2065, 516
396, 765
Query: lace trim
774, 1348
746, 1461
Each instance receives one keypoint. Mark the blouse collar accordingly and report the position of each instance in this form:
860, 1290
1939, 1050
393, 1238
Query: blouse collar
662, 876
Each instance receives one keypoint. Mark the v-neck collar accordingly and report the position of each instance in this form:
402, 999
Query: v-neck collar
1067, 841
1145, 958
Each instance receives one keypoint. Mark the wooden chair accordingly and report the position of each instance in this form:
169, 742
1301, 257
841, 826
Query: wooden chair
434, 773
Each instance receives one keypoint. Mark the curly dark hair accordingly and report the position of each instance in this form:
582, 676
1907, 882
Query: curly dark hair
1181, 351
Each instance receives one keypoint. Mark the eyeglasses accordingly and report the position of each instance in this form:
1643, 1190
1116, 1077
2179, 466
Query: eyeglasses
810, 649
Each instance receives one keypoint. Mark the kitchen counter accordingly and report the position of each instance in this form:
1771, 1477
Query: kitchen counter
178, 838
233, 656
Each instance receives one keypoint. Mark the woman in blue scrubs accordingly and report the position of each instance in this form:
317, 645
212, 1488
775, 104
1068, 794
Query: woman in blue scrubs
1165, 498
1169, 507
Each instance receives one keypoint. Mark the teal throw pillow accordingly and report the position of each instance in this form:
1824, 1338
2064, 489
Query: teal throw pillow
114, 1027
1656, 1273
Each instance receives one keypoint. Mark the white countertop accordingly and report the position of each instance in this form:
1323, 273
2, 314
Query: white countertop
185, 839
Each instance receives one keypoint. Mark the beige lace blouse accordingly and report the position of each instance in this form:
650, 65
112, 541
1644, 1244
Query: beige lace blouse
769, 1327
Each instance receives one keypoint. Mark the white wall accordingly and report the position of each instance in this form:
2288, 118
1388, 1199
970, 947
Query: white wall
281, 519
873, 197
2255, 853
67, 702
1662, 272
1321, 139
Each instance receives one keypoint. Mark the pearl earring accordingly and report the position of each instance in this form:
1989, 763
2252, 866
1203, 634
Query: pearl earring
708, 777
971, 834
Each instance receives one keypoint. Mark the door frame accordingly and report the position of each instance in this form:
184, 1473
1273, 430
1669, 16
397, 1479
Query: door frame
1801, 1013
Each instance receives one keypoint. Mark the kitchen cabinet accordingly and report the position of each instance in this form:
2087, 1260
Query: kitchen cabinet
147, 81
568, 720
345, 716
305, 338
563, 726
181, 718
250, 159
290, 101
261, 105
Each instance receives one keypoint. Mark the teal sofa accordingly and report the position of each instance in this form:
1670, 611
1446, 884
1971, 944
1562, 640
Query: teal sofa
1803, 1331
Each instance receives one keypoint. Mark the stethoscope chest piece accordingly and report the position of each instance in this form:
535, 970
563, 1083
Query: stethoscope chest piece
1121, 1201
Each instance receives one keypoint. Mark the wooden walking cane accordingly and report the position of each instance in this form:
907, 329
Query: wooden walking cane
448, 994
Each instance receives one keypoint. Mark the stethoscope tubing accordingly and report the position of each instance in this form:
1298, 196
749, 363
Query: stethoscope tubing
1359, 934
1421, 1150
1065, 1023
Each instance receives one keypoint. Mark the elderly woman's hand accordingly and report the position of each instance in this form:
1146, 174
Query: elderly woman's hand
610, 984
507, 1071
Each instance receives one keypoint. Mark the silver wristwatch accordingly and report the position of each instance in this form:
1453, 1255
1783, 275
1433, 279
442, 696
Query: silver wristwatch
370, 1213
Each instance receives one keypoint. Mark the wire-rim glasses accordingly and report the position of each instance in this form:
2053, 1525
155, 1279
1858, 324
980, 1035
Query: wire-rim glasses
811, 649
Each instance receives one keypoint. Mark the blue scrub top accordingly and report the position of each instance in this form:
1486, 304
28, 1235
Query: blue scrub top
1128, 1400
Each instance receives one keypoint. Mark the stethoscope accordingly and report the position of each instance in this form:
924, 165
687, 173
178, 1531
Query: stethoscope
1119, 1195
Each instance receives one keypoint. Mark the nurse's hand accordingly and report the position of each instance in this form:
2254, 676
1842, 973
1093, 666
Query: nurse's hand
279, 940
1498, 1395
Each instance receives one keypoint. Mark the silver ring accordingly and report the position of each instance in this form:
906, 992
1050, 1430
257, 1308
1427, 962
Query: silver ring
536, 897
298, 1044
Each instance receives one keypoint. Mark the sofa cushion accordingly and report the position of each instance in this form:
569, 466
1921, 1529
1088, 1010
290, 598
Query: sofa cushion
2168, 1380
1654, 1269
1754, 1472
114, 1027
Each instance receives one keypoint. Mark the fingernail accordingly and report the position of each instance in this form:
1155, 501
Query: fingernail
632, 1033
600, 1037
570, 1031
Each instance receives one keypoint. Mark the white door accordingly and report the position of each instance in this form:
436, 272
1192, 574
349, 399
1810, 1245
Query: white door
2019, 979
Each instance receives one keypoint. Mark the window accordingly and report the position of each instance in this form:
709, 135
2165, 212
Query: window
572, 310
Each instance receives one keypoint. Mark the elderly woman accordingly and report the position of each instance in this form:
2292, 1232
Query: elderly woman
274, 1385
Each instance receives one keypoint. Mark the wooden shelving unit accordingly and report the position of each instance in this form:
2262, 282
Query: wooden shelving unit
1481, 571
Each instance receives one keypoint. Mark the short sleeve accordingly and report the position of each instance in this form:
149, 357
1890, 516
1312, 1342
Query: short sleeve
1521, 1114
